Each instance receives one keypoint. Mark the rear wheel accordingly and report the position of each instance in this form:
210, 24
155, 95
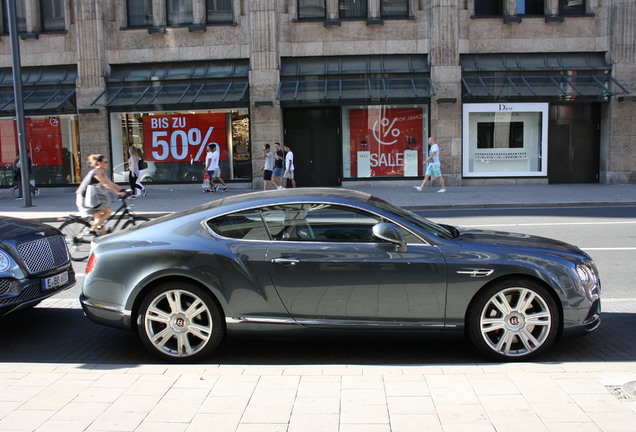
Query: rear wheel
78, 238
181, 322
513, 320
134, 220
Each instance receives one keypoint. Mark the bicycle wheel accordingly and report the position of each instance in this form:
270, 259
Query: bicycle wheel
134, 220
78, 238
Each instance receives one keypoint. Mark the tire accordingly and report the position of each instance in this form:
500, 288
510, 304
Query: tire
135, 220
513, 320
168, 329
78, 238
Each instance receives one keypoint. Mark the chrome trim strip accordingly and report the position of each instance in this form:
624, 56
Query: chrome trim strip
476, 272
268, 320
122, 312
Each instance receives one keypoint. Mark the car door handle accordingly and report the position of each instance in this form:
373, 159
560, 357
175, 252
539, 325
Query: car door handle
286, 261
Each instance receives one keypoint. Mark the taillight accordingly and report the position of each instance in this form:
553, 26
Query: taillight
92, 260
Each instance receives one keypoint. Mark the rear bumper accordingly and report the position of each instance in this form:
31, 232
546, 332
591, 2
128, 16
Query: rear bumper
106, 315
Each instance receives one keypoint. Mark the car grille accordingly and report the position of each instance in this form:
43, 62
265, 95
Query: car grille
28, 293
44, 254
7, 286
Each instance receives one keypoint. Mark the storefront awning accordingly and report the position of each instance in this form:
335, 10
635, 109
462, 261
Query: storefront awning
561, 86
39, 99
162, 93
368, 90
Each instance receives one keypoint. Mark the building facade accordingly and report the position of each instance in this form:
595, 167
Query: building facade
515, 91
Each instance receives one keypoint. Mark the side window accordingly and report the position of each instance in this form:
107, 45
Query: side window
179, 12
246, 225
311, 9
488, 8
394, 8
139, 13
572, 7
52, 15
353, 9
219, 11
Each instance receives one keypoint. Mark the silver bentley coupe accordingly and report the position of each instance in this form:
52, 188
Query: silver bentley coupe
307, 262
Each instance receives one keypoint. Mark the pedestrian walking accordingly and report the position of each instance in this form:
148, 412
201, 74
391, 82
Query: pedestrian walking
289, 166
212, 168
279, 164
268, 168
432, 167
17, 176
134, 172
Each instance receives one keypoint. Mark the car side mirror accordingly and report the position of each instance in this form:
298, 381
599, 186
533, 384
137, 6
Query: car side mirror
391, 233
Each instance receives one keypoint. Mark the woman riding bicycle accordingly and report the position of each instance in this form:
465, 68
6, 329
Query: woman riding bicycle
101, 199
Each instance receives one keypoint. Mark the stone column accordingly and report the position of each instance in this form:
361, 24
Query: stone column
446, 76
333, 10
93, 134
265, 111
618, 158
159, 17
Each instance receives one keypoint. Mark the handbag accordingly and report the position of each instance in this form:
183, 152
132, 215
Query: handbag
91, 199
206, 182
142, 165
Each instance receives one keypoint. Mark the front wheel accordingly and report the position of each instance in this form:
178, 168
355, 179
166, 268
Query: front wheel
513, 320
181, 322
78, 238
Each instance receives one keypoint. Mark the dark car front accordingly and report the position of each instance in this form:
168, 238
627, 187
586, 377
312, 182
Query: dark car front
34, 263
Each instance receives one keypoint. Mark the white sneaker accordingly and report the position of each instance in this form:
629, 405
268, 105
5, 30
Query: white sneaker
419, 189
441, 191
280, 187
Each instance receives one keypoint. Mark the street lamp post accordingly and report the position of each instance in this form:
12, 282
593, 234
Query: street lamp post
19, 102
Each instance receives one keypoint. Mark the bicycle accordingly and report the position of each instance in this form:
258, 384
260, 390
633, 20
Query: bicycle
79, 235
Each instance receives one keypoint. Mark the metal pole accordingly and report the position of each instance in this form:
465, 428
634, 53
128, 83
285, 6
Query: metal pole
19, 102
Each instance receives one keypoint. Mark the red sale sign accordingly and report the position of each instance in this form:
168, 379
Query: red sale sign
386, 141
183, 137
43, 139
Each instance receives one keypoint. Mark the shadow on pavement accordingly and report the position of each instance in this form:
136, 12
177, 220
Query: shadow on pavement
49, 335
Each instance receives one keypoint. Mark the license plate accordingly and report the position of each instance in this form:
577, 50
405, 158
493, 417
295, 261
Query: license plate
55, 281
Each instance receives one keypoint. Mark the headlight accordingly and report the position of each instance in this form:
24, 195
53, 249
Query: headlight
5, 262
589, 280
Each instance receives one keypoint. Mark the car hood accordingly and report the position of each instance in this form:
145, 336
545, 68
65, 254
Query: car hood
501, 238
15, 229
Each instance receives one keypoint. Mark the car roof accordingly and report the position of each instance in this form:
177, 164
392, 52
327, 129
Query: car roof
304, 194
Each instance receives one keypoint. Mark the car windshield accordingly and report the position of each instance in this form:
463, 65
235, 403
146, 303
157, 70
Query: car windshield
423, 223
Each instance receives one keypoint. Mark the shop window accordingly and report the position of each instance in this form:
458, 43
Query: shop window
179, 12
52, 146
20, 12
351, 9
572, 7
220, 11
139, 13
488, 8
505, 140
52, 15
530, 7
394, 8
175, 143
384, 141
311, 9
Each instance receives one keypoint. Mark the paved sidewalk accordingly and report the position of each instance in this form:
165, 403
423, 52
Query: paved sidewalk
59, 202
360, 395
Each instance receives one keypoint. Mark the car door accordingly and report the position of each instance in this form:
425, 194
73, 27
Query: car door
329, 270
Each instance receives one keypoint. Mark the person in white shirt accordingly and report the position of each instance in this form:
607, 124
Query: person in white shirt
268, 168
432, 167
212, 167
289, 166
